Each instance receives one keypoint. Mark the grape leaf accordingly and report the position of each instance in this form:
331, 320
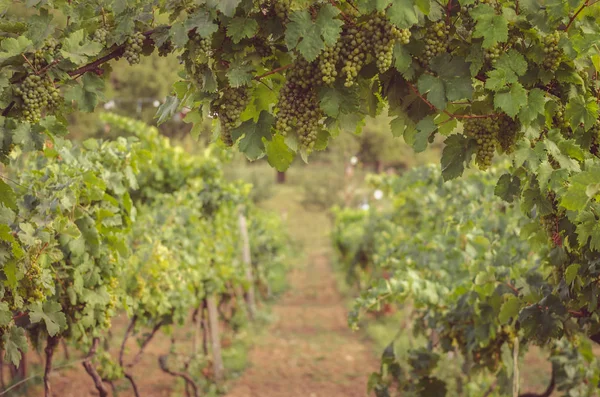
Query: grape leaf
202, 22
512, 101
14, 46
86, 95
491, 26
403, 14
239, 74
167, 109
50, 312
588, 228
509, 309
582, 188
240, 28
580, 110
279, 155
508, 187
7, 196
535, 106
251, 144
78, 48
456, 154
424, 129
334, 101
14, 342
309, 37
398, 125
435, 90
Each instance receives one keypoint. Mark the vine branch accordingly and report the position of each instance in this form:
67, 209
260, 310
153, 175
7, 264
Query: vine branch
91, 370
572, 19
277, 70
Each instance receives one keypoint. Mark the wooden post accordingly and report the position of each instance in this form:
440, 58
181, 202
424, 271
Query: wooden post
247, 258
215, 337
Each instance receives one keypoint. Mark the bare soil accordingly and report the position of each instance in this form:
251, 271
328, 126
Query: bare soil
309, 350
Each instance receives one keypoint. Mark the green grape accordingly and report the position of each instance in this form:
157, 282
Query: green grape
44, 55
36, 93
437, 39
485, 131
228, 107
196, 58
492, 54
554, 54
282, 8
508, 133
354, 50
298, 105
328, 61
100, 36
133, 48
383, 36
560, 121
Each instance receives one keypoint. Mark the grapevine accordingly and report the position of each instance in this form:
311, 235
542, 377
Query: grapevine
553, 53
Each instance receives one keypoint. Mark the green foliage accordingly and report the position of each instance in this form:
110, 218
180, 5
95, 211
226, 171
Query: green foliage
458, 255
532, 66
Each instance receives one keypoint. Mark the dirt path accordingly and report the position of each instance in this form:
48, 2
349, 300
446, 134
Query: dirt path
309, 350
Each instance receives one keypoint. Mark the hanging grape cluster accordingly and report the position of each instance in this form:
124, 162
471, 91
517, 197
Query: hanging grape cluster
437, 39
384, 36
44, 55
100, 36
492, 54
298, 104
508, 133
165, 49
228, 107
133, 48
358, 45
560, 121
196, 58
36, 93
485, 131
328, 63
553, 53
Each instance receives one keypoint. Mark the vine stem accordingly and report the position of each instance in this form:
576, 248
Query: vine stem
91, 370
572, 19
336, 5
138, 356
162, 361
51, 343
27, 60
452, 115
125, 337
277, 70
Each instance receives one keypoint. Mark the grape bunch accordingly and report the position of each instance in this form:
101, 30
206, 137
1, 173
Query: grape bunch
485, 131
508, 132
560, 121
553, 53
166, 48
328, 61
298, 104
282, 8
44, 55
36, 94
133, 48
100, 36
492, 54
196, 58
437, 39
384, 36
354, 49
228, 107
262, 46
